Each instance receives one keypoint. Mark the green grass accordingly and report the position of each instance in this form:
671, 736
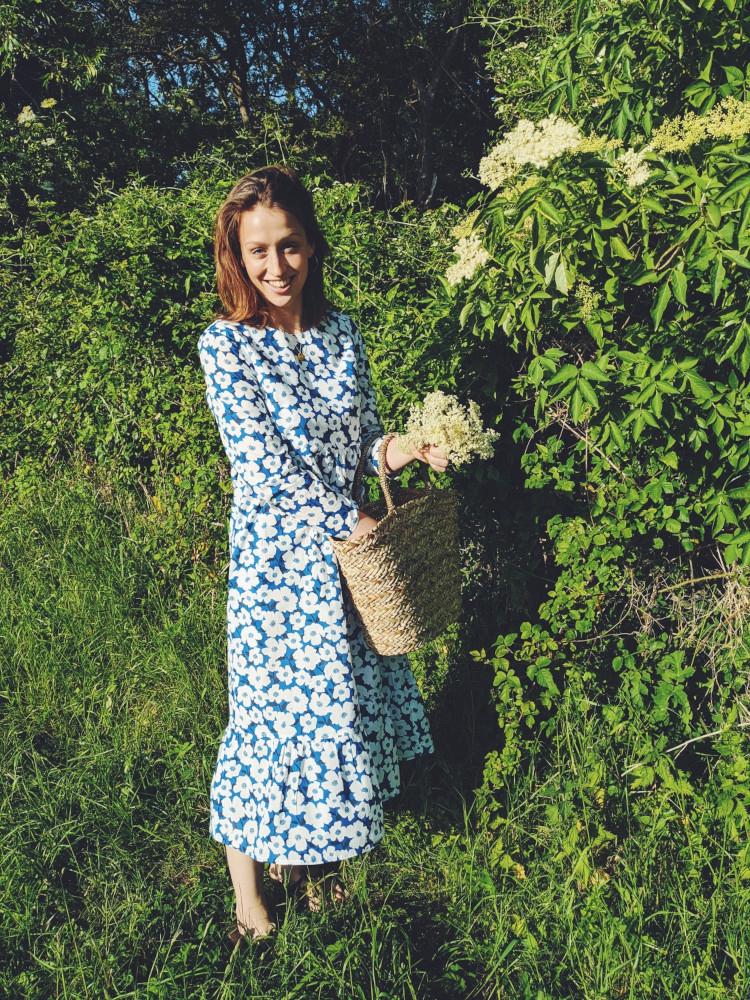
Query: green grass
113, 702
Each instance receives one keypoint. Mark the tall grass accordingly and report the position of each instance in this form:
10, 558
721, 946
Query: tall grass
113, 702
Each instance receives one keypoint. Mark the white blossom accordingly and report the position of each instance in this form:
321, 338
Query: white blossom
471, 255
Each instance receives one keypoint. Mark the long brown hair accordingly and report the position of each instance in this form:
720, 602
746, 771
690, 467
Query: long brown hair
273, 186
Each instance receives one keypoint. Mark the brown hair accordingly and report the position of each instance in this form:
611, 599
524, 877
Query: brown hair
273, 186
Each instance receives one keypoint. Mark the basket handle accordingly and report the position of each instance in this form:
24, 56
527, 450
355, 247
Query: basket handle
382, 475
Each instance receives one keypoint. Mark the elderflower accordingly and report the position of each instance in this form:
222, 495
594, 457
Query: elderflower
471, 255
464, 227
631, 163
440, 420
729, 119
588, 299
48, 102
25, 115
528, 143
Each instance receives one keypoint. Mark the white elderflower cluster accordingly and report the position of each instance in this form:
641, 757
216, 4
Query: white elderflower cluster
442, 421
631, 163
729, 119
528, 143
471, 256
26, 115
588, 299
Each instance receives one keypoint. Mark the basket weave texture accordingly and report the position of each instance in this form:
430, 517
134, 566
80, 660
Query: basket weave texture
404, 576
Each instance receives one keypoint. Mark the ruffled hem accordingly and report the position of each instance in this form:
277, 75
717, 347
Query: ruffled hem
305, 800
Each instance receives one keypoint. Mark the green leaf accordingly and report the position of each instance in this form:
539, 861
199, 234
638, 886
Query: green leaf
549, 267
549, 211
717, 279
591, 370
619, 249
737, 258
617, 437
701, 389
566, 374
587, 392
738, 184
714, 214
575, 407
561, 278
662, 300
679, 285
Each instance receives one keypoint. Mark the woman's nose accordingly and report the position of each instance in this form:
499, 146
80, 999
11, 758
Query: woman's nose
274, 265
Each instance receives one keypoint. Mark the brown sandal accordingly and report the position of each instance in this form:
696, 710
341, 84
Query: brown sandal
316, 890
253, 936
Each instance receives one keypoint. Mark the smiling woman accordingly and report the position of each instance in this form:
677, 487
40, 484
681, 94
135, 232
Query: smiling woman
318, 721
275, 255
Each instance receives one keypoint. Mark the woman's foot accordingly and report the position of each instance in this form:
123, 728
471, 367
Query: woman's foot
254, 923
286, 874
319, 886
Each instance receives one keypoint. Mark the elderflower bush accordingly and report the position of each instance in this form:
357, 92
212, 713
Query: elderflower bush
442, 421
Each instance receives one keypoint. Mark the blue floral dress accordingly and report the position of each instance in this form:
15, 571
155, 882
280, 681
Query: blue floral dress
318, 721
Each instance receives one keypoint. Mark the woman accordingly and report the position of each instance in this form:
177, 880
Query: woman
318, 722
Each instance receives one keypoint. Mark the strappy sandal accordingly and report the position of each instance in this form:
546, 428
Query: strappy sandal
314, 891
253, 936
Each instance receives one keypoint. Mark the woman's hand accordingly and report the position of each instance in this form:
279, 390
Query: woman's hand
366, 523
435, 457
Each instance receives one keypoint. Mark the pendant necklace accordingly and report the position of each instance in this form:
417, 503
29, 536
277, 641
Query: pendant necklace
297, 351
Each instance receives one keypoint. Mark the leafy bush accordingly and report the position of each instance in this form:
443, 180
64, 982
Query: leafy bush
100, 332
619, 277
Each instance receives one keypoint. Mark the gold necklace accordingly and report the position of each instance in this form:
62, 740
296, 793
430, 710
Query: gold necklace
297, 350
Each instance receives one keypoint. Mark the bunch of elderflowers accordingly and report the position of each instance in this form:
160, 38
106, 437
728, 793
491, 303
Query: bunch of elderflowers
440, 420
729, 119
469, 250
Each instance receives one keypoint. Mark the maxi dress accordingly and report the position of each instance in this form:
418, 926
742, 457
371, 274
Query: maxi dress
318, 721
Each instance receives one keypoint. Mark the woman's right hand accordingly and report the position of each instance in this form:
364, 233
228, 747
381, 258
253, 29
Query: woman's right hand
366, 523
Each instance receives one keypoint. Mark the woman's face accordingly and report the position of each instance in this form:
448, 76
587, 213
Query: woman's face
275, 253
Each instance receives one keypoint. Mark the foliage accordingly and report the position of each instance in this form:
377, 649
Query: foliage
619, 279
113, 699
100, 329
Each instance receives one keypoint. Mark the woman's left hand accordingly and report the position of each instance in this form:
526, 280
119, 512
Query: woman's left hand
435, 457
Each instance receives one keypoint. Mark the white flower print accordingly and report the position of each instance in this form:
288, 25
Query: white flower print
310, 752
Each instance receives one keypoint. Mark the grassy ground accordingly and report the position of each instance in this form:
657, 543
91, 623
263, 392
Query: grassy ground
113, 701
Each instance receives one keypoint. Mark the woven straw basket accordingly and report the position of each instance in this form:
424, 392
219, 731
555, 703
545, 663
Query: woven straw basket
404, 576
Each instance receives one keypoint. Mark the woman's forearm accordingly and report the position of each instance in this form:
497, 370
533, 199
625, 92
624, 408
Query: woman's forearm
396, 458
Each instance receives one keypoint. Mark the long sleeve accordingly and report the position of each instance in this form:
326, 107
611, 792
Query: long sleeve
369, 417
261, 460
